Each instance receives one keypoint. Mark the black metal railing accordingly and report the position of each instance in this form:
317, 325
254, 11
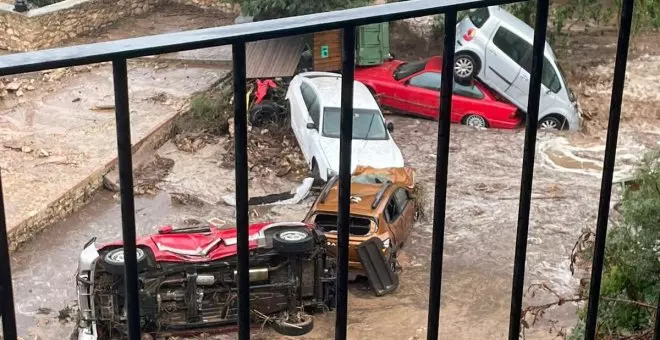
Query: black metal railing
118, 52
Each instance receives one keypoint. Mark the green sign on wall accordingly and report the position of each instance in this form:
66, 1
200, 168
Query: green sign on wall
324, 51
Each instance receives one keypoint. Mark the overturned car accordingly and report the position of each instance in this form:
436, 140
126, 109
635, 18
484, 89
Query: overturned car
188, 281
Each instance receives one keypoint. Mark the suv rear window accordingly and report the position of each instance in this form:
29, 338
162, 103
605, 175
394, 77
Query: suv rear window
479, 16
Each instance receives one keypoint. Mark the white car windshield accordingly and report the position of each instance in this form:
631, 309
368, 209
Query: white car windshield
367, 124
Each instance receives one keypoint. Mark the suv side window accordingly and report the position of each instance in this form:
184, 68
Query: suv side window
392, 211
427, 80
513, 46
401, 198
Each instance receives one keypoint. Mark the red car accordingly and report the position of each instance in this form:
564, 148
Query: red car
187, 279
414, 88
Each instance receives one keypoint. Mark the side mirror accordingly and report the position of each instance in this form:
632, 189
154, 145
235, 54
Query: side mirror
390, 126
311, 126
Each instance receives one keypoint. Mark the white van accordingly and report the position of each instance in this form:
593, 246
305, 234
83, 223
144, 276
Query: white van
496, 47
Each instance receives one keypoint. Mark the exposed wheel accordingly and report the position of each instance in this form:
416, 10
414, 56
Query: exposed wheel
475, 121
302, 326
264, 114
550, 123
114, 260
465, 68
293, 240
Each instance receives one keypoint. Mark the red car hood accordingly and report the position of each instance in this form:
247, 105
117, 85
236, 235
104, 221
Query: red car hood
216, 244
381, 72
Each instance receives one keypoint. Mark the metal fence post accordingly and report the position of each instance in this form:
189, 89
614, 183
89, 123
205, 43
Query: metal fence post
6, 289
241, 168
441, 165
616, 100
345, 139
527, 176
125, 160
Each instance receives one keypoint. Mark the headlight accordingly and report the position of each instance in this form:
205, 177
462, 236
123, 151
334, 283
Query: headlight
386, 243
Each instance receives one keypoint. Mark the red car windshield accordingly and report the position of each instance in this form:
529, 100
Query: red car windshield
367, 124
407, 69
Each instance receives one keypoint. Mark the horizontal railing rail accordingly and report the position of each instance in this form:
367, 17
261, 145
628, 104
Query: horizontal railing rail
118, 52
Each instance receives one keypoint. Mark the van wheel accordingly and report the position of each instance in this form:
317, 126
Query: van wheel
465, 68
551, 123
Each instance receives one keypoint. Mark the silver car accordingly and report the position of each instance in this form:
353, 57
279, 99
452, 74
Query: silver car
496, 47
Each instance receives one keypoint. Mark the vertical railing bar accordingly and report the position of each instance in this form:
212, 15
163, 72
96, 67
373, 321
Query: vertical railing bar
125, 160
441, 166
345, 141
527, 176
241, 177
616, 100
7, 312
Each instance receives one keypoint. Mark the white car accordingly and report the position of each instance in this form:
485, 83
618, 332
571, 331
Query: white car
314, 101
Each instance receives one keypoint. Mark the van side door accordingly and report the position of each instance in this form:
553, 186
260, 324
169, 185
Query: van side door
505, 54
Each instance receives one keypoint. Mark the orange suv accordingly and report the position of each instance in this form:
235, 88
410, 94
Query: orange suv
381, 206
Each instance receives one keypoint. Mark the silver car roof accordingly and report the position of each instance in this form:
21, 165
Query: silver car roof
525, 31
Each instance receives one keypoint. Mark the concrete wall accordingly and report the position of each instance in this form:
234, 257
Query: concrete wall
49, 26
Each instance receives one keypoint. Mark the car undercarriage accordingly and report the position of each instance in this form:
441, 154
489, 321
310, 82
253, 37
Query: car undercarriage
288, 280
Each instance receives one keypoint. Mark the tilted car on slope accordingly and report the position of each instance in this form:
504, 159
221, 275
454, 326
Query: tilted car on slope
315, 100
495, 46
414, 88
187, 279
382, 206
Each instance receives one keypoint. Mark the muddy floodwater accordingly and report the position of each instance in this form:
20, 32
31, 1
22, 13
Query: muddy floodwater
482, 205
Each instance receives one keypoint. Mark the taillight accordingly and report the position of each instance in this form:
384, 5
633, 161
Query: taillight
469, 35
514, 114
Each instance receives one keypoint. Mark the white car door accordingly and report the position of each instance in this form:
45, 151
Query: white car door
309, 109
312, 136
298, 110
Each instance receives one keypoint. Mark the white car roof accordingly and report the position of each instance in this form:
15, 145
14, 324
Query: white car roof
329, 87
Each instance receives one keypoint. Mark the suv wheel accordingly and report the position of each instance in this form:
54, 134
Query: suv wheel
293, 240
114, 260
465, 67
303, 325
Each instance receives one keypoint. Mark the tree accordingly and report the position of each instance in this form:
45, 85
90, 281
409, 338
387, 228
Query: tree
272, 9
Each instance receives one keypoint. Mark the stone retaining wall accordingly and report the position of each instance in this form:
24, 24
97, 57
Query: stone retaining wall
51, 25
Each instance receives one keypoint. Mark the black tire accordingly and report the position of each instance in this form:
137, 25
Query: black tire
264, 114
551, 123
465, 68
114, 260
293, 240
288, 328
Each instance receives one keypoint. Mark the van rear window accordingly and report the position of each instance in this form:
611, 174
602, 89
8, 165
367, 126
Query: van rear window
479, 16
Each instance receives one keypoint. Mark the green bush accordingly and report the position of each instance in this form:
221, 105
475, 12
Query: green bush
631, 276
